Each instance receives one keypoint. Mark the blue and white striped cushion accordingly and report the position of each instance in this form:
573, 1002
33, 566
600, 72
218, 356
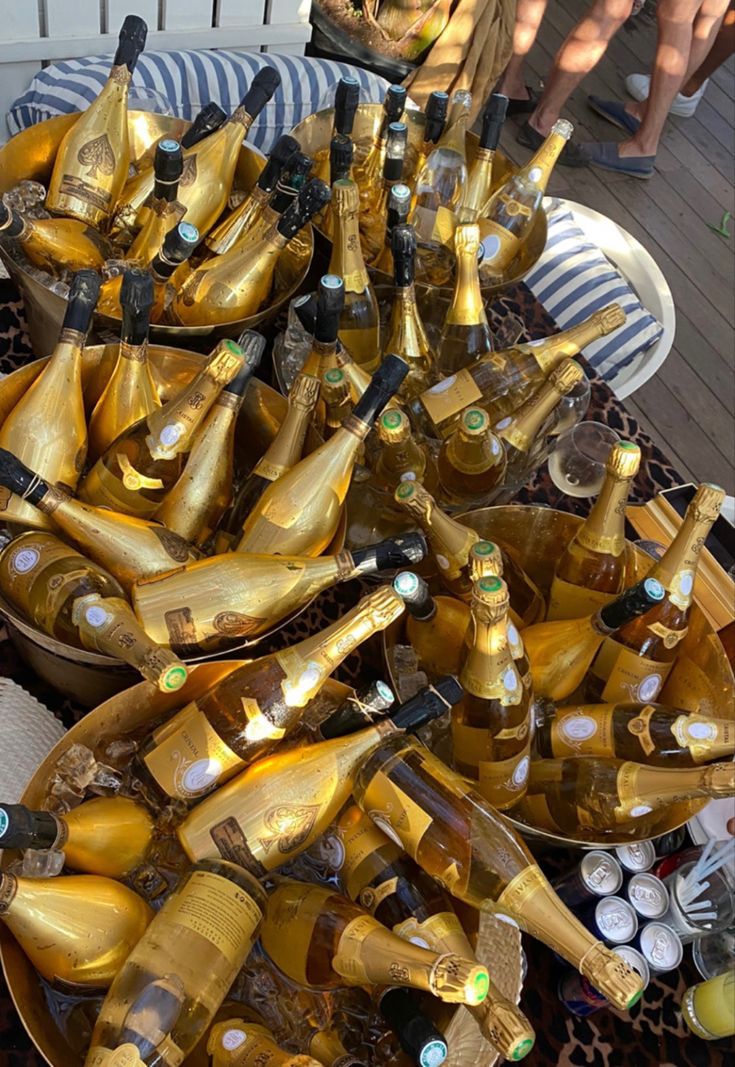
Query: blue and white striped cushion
190, 79
573, 279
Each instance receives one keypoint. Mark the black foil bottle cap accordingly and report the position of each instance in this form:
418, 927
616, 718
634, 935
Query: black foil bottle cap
209, 119
178, 245
133, 33
136, 300
414, 592
262, 88
11, 223
346, 99
168, 161
18, 478
84, 293
341, 153
304, 308
493, 118
252, 344
394, 103
436, 115
385, 384
22, 828
312, 198
635, 601
430, 703
396, 141
403, 250
280, 157
329, 303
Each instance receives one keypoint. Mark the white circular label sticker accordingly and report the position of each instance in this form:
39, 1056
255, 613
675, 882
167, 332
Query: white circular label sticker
442, 561
495, 446
640, 809
443, 385
513, 636
201, 774
96, 616
171, 433
416, 940
578, 727
490, 247
520, 774
535, 173
648, 688
232, 1039
686, 583
408, 476
701, 731
510, 679
25, 560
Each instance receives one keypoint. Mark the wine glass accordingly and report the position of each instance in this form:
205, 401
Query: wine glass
572, 408
142, 99
577, 464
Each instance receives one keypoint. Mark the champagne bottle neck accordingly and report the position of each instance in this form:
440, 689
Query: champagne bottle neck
677, 568
489, 670
524, 428
347, 260
539, 167
604, 529
22, 828
286, 447
549, 353
642, 789
473, 455
467, 308
455, 134
448, 538
479, 183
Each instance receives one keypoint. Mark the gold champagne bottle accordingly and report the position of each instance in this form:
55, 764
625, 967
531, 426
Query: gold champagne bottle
280, 805
653, 734
501, 382
435, 117
109, 836
372, 222
337, 396
597, 794
371, 154
400, 454
74, 929
282, 454
246, 714
319, 938
209, 119
199, 499
47, 428
513, 208
399, 206
128, 548
203, 606
139, 468
289, 185
440, 185
524, 432
491, 726
378, 875
458, 838
209, 166
561, 652
591, 570
326, 350
299, 514
359, 322
476, 194
92, 160
527, 604
466, 336
164, 210
240, 1043
472, 461
635, 664
232, 286
54, 245
173, 982
449, 541
237, 224
130, 393
406, 333
327, 1046
435, 625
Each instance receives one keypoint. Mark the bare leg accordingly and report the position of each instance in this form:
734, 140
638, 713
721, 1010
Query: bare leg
719, 53
582, 50
675, 39
529, 14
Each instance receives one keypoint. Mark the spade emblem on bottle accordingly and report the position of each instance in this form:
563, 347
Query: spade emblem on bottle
97, 154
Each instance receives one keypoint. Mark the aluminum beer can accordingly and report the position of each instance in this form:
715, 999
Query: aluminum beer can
613, 920
635, 961
660, 946
648, 895
598, 874
637, 857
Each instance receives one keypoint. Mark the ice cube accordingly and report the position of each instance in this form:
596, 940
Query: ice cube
148, 882
411, 684
77, 767
405, 659
118, 752
42, 863
106, 782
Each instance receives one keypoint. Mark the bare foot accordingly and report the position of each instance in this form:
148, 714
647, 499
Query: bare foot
628, 149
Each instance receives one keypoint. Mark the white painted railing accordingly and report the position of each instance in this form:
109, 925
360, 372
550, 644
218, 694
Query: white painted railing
34, 33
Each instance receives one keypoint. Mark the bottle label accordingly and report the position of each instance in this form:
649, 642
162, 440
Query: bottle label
440, 933
218, 910
371, 897
568, 601
190, 757
500, 247
104, 489
348, 960
640, 727
303, 677
132, 479
706, 739
126, 1055
445, 223
639, 791
359, 844
630, 678
577, 734
450, 396
670, 638
25, 560
396, 813
503, 783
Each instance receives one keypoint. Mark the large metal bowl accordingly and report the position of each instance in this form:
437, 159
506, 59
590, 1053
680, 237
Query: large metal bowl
702, 679
89, 677
314, 134
30, 155
498, 944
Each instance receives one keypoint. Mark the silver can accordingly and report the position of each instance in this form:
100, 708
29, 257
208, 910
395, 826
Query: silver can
660, 947
637, 857
635, 961
598, 874
648, 895
615, 921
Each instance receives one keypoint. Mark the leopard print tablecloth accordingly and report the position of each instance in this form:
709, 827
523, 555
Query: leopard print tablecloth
653, 1035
